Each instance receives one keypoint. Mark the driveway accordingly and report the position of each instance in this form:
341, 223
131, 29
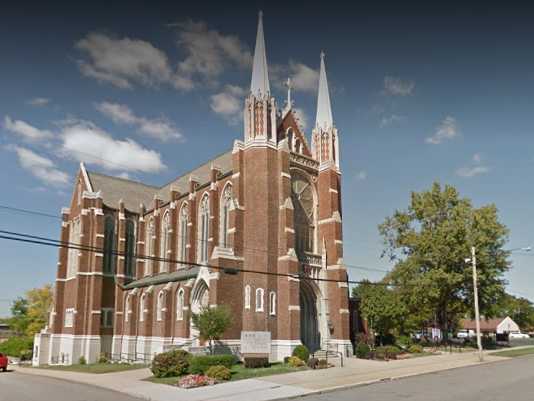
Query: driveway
16, 386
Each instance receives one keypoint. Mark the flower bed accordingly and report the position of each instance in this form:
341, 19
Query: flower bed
192, 381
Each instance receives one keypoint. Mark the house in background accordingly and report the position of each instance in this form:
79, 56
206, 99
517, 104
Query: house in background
5, 332
495, 327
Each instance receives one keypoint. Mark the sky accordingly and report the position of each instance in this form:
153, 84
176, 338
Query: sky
420, 93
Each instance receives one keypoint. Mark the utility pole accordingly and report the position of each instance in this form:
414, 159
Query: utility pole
477, 312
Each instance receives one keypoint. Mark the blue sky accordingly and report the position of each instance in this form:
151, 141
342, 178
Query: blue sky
420, 93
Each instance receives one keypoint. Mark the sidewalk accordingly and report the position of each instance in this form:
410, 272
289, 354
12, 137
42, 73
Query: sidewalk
356, 372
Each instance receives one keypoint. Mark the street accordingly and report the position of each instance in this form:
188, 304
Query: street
501, 381
21, 387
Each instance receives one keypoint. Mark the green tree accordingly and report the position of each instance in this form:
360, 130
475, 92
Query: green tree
19, 316
39, 302
381, 307
521, 310
430, 240
212, 323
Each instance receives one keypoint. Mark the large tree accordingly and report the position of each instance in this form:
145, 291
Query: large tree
29, 314
430, 241
521, 310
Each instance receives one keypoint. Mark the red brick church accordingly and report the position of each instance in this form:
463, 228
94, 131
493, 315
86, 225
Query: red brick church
271, 204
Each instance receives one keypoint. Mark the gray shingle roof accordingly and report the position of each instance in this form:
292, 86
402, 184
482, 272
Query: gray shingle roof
178, 275
133, 193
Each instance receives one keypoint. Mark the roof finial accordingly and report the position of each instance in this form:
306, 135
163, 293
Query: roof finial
289, 87
259, 85
324, 110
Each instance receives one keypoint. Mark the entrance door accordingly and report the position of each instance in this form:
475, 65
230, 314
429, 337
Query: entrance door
309, 327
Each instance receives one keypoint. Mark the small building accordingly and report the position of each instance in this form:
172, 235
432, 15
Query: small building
497, 326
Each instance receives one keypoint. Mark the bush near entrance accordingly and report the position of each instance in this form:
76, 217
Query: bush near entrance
201, 363
171, 363
302, 352
256, 362
219, 373
363, 351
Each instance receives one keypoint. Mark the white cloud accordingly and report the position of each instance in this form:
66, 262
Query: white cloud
393, 119
40, 167
38, 101
25, 130
446, 130
398, 87
476, 168
301, 117
125, 62
159, 128
209, 52
303, 77
229, 103
83, 141
361, 175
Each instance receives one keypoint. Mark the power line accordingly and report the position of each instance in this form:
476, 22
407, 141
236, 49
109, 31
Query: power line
198, 240
32, 239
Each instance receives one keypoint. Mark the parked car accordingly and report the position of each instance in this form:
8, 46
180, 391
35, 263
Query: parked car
465, 334
3, 362
517, 335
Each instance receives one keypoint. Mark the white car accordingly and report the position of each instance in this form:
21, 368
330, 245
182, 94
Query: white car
517, 335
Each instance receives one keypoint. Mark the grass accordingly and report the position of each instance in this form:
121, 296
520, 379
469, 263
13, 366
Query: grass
512, 353
96, 368
239, 372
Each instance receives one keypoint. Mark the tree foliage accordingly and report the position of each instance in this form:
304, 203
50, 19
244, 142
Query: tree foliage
429, 241
212, 323
29, 314
521, 310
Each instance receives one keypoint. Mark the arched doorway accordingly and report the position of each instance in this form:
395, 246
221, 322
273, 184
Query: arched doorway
309, 324
199, 299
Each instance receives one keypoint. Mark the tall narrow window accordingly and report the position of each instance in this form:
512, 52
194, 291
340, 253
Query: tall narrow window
204, 218
109, 245
69, 317
247, 297
183, 232
272, 303
149, 246
127, 307
160, 306
259, 300
129, 245
165, 242
73, 258
106, 317
226, 203
142, 307
290, 138
180, 304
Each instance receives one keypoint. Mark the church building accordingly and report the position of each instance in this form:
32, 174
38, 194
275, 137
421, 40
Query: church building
257, 229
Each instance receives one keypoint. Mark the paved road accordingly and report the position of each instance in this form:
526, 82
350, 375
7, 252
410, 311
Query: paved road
20, 387
502, 381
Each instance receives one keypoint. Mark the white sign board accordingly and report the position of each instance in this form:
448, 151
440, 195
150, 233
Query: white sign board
256, 342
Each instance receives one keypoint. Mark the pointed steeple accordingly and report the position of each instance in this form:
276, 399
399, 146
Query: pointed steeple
324, 118
259, 85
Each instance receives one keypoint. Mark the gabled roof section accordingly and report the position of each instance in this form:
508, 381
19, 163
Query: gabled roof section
133, 193
113, 189
290, 121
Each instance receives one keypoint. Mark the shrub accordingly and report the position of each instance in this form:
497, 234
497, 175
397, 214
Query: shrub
387, 352
286, 359
404, 341
489, 343
301, 352
415, 349
199, 364
219, 372
295, 362
323, 364
312, 363
82, 360
26, 355
13, 346
256, 362
103, 358
191, 381
362, 351
385, 339
170, 364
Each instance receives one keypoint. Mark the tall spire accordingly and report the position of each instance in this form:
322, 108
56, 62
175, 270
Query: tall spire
324, 110
260, 76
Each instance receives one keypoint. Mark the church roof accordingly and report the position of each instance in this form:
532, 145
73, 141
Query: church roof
133, 193
163, 278
260, 75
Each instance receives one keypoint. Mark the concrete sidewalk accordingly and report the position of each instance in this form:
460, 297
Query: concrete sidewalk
356, 372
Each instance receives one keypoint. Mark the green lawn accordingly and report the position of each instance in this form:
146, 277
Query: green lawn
239, 372
512, 353
96, 367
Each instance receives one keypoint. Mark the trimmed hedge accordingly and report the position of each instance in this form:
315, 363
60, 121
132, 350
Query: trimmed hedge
219, 372
201, 363
301, 352
387, 352
170, 364
256, 362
